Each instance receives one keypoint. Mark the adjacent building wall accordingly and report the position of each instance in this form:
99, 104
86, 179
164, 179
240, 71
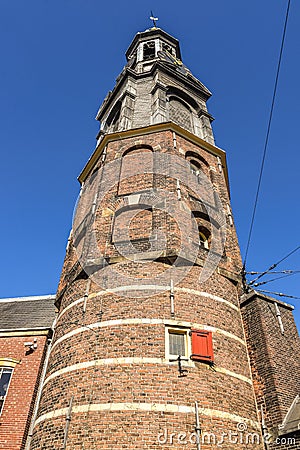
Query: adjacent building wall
274, 350
25, 330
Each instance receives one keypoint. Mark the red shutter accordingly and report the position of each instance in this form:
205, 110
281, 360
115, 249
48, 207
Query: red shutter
202, 346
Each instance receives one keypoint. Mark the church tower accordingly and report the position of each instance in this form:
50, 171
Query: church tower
149, 349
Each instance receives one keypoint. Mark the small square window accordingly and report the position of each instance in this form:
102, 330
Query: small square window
176, 343
5, 375
187, 343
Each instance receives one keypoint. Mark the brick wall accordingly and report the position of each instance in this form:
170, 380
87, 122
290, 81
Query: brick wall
19, 402
274, 359
109, 350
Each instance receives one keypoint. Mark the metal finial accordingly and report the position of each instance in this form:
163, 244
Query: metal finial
154, 19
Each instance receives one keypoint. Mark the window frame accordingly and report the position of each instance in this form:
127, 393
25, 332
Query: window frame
173, 329
190, 358
2, 368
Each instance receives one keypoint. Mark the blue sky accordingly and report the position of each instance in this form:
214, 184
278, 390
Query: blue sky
59, 59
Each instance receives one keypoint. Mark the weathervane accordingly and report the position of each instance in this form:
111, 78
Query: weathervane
154, 19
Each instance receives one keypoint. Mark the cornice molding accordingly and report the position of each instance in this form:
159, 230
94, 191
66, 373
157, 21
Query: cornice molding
159, 127
26, 332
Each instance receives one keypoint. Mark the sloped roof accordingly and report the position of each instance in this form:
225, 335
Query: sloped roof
291, 422
27, 312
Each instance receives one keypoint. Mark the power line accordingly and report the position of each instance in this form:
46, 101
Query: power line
280, 294
275, 265
275, 279
268, 132
288, 255
274, 271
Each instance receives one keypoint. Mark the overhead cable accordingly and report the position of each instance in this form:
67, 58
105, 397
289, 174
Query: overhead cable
275, 265
280, 294
275, 279
268, 131
274, 271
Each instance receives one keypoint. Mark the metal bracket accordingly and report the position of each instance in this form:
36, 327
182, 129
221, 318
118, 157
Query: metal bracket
182, 372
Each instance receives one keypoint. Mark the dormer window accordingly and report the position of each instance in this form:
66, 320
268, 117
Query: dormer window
149, 50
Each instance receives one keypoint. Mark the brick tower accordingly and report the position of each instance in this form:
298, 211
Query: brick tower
149, 348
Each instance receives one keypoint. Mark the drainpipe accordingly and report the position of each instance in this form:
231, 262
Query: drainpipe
172, 298
264, 428
278, 315
68, 420
197, 427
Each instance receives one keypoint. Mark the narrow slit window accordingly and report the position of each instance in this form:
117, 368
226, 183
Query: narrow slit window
203, 240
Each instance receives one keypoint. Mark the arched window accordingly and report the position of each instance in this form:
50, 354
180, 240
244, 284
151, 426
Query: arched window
112, 122
203, 237
180, 113
197, 163
182, 108
195, 166
93, 175
204, 228
136, 172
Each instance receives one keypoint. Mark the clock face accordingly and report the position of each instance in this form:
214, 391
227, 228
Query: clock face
169, 58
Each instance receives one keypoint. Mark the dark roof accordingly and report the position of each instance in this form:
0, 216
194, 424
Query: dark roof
27, 312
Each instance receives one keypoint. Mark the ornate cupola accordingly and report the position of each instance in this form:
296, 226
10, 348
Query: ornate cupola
154, 87
146, 47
